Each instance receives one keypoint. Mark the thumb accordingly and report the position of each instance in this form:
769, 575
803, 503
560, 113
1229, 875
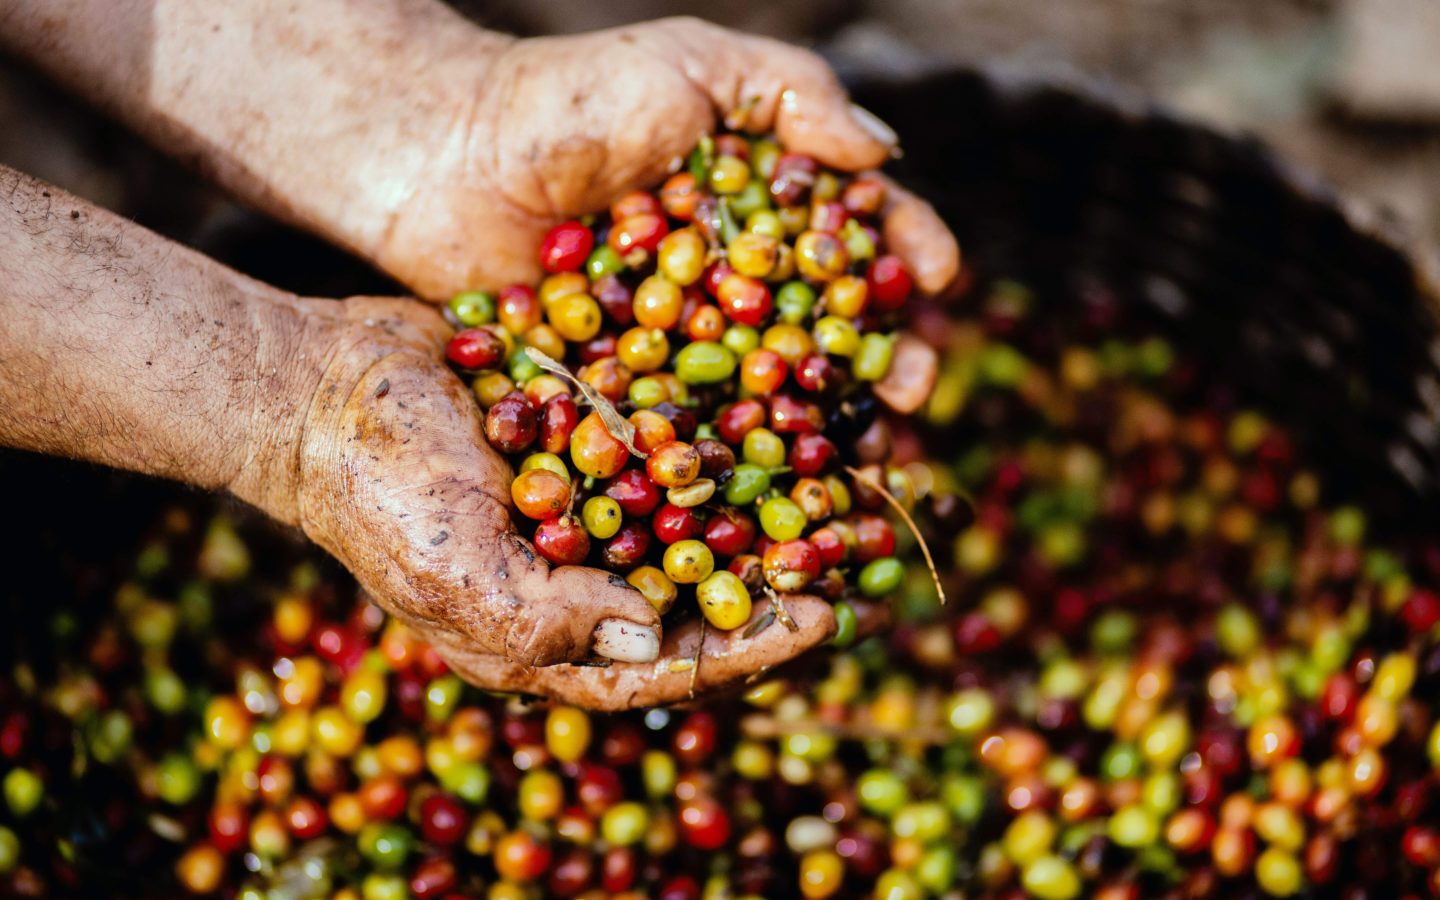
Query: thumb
694, 661
565, 613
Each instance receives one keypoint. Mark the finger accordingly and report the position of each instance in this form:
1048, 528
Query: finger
727, 659
810, 112
565, 613
914, 366
916, 233
761, 85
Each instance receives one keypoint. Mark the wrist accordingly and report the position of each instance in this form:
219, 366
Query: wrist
425, 121
294, 342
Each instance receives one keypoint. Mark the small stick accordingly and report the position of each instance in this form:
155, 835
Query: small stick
699, 651
781, 613
909, 523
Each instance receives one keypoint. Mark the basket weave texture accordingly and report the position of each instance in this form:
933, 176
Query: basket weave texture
1314, 309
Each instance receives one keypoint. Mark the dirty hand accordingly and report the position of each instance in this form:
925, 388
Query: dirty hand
435, 149
561, 126
395, 478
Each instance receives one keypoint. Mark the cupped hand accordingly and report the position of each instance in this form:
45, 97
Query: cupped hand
396, 480
561, 126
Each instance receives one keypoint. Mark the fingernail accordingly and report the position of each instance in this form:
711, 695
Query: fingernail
625, 641
874, 126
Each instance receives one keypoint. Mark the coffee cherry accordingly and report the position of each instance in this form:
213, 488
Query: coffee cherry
706, 323
602, 517
789, 415
881, 577
636, 493
511, 424
673, 465
762, 371
575, 318
763, 447
730, 532
792, 179
752, 255
889, 282
562, 541
816, 373
820, 256
520, 309
652, 430
811, 454
813, 498
846, 296
627, 549
744, 299
781, 519
658, 303
747, 482
564, 247
558, 418
724, 600
520, 856
643, 349
540, 493
674, 523
442, 820
476, 348
716, 459
791, 565
592, 449
830, 546
874, 537
688, 562
704, 362
682, 256
739, 419
641, 231
617, 301
678, 196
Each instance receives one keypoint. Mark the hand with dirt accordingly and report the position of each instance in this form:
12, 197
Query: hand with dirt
440, 153
340, 418
437, 150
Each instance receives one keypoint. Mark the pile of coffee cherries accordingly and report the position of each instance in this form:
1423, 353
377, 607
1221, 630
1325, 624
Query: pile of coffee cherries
724, 333
1171, 667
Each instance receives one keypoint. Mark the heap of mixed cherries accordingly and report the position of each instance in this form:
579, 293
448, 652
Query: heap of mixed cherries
1176, 667
680, 393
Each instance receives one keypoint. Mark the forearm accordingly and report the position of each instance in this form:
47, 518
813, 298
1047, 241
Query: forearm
124, 349
253, 93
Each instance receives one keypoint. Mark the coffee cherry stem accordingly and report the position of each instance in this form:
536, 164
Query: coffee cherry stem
778, 606
618, 426
699, 651
909, 523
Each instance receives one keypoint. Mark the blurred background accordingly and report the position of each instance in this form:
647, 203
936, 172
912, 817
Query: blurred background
1348, 89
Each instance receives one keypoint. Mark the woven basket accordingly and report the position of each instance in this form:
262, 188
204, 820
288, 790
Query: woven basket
1313, 309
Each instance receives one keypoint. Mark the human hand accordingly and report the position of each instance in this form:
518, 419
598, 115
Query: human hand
437, 150
392, 474
561, 126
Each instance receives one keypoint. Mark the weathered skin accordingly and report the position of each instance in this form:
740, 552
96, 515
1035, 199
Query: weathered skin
338, 417
439, 152
729, 660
